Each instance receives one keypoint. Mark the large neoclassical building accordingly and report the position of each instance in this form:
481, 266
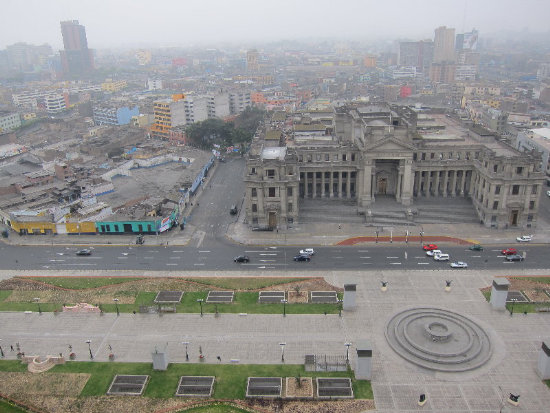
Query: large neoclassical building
361, 152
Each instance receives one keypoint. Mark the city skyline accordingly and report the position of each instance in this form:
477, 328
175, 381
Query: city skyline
191, 23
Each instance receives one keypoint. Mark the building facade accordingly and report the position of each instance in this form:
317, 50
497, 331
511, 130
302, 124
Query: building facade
9, 122
104, 115
76, 58
397, 153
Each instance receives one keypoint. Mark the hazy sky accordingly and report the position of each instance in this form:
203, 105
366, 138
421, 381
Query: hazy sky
116, 23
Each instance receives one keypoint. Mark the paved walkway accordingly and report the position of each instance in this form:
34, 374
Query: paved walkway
255, 339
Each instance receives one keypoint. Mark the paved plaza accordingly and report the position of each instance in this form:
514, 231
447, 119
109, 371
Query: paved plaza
239, 338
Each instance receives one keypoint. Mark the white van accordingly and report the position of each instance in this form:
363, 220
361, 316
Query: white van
441, 257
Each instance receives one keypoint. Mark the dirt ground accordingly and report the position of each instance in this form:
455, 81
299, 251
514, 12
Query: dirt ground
534, 290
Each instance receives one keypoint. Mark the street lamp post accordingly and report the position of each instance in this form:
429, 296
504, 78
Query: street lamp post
284, 307
186, 343
513, 300
282, 351
37, 301
347, 351
340, 302
116, 304
421, 237
377, 237
200, 300
90, 349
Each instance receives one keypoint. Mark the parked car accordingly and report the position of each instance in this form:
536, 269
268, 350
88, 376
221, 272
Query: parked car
442, 257
84, 252
515, 257
429, 247
548, 193
302, 258
459, 264
307, 251
431, 253
476, 247
242, 258
233, 210
524, 238
509, 251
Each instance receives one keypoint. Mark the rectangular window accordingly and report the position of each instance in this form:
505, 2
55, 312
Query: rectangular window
335, 157
300, 158
327, 157
423, 156
497, 189
353, 157
515, 189
289, 191
253, 171
318, 156
495, 205
271, 192
534, 190
432, 155
519, 170
254, 193
309, 158
345, 157
290, 170
254, 208
495, 168
270, 173
531, 204
289, 208
414, 156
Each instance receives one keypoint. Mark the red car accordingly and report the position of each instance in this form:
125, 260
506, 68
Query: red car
429, 247
509, 251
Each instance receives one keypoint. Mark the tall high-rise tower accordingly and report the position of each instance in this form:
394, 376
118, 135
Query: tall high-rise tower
444, 45
252, 63
76, 58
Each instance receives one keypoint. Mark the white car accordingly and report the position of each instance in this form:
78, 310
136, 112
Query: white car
442, 257
307, 251
524, 238
459, 264
548, 193
433, 253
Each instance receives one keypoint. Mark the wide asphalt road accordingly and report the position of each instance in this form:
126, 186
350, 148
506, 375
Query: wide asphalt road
220, 257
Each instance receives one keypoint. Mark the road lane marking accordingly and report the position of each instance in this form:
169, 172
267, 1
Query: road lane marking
395, 263
148, 258
175, 258
170, 263
267, 260
362, 250
78, 264
122, 258
364, 257
422, 263
204, 251
57, 260
177, 251
338, 257
268, 254
392, 257
201, 263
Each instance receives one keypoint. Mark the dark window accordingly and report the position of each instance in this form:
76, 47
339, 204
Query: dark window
519, 170
254, 208
271, 192
254, 192
270, 173
353, 157
531, 204
515, 189
327, 157
423, 156
495, 168
495, 205
534, 190
432, 155
414, 156
253, 171
345, 157
289, 208
289, 191
497, 189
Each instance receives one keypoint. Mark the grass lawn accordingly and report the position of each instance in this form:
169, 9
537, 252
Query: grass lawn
6, 407
214, 408
519, 307
230, 379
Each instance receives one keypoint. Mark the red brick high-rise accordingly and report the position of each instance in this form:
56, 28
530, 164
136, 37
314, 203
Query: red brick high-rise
76, 58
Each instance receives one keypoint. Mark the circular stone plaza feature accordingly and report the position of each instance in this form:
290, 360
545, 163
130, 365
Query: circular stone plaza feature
438, 339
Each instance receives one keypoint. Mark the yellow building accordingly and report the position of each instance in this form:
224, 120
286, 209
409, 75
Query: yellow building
113, 85
168, 113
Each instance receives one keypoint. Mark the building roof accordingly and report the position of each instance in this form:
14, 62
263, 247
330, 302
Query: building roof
273, 135
278, 152
542, 132
313, 127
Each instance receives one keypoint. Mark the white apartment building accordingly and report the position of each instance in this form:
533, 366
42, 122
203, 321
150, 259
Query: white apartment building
55, 103
9, 121
238, 102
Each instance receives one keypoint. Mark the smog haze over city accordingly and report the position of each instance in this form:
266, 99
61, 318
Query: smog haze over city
125, 23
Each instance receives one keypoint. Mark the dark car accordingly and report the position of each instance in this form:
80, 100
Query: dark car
84, 252
302, 258
242, 258
515, 257
476, 247
233, 210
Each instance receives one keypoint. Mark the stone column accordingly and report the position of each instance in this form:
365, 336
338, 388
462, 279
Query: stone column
363, 371
373, 185
349, 296
436, 184
366, 180
463, 183
499, 293
314, 191
445, 183
398, 189
339, 184
331, 193
418, 175
543, 364
453, 185
323, 184
407, 183
427, 183
348, 185
306, 193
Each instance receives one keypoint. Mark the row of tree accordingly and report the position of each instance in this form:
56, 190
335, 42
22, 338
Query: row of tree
215, 131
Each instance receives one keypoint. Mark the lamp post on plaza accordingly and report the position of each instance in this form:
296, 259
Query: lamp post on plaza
186, 343
37, 301
284, 307
340, 303
90, 349
200, 300
421, 237
282, 351
347, 351
116, 304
